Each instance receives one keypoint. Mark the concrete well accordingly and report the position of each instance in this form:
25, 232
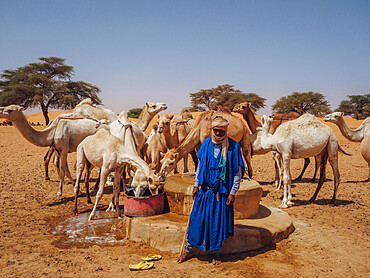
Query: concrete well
256, 225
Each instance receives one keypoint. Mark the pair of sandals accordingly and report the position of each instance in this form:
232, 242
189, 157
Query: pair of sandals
146, 263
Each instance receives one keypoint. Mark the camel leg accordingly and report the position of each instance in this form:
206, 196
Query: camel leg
96, 186
246, 148
317, 165
185, 159
87, 178
334, 165
322, 158
278, 170
69, 173
116, 189
103, 179
287, 182
81, 163
306, 163
63, 165
47, 158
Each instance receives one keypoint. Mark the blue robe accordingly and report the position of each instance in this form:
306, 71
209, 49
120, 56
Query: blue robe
212, 221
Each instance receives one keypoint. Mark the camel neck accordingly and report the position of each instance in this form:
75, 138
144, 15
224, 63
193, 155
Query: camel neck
41, 138
350, 134
252, 122
144, 119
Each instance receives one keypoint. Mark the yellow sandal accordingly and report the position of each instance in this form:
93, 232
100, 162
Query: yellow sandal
152, 257
143, 265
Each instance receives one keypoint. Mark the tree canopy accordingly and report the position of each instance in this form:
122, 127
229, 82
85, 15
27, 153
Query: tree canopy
224, 95
358, 106
134, 112
46, 84
309, 102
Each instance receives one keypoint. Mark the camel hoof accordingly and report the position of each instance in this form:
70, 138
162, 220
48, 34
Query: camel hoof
283, 206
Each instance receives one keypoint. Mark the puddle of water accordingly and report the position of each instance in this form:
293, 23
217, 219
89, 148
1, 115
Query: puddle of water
105, 230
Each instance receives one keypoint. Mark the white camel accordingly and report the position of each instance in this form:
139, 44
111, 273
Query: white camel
357, 135
107, 152
87, 110
63, 134
300, 138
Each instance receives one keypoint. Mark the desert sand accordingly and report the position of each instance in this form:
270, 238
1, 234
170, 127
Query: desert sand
327, 242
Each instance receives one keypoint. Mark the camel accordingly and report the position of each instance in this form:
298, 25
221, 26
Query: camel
365, 151
155, 148
63, 134
246, 111
237, 131
149, 110
107, 152
300, 138
175, 129
357, 135
85, 109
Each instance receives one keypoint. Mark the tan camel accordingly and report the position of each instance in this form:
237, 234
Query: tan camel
357, 135
63, 134
249, 116
237, 131
85, 109
149, 110
365, 151
300, 138
175, 129
156, 147
107, 152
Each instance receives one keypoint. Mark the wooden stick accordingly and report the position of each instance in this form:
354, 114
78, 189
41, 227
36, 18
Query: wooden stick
186, 233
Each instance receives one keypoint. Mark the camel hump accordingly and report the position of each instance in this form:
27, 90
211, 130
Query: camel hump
85, 101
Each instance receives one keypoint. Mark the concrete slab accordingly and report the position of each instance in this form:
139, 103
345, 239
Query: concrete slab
179, 189
166, 232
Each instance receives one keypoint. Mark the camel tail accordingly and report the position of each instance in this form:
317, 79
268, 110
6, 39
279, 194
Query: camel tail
343, 151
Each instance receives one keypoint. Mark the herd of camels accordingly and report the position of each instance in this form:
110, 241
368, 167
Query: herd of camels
113, 143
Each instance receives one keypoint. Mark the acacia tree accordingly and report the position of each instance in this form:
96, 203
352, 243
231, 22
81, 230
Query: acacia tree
358, 106
134, 112
310, 102
225, 95
46, 84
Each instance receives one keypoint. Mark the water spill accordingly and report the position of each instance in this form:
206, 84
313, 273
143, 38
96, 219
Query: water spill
104, 230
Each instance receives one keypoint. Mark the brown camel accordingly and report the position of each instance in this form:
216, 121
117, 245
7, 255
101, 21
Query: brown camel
237, 131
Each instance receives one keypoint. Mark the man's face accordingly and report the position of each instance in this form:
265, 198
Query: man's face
219, 132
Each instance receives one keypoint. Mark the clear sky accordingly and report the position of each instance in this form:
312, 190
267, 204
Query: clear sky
137, 51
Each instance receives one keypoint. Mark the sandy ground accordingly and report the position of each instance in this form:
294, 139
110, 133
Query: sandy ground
327, 242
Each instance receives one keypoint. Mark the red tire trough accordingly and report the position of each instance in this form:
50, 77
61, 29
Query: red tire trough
144, 206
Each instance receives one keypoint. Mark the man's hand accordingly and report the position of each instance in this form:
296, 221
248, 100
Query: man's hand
230, 200
195, 192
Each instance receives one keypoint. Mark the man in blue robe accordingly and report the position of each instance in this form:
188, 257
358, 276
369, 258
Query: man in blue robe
218, 178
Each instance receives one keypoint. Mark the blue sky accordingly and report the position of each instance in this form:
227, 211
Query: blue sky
160, 51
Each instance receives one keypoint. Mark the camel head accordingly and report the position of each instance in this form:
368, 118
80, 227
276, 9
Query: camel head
11, 112
163, 122
242, 108
333, 117
168, 162
266, 122
154, 108
141, 182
